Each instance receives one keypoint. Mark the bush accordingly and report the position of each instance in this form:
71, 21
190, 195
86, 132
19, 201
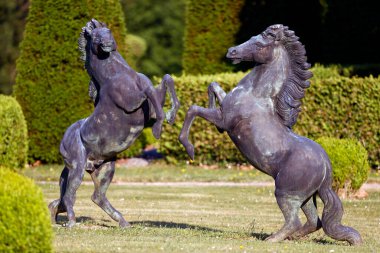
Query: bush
349, 162
336, 106
51, 83
210, 28
13, 134
24, 218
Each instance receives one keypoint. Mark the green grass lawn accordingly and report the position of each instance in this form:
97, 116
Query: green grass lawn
200, 219
159, 172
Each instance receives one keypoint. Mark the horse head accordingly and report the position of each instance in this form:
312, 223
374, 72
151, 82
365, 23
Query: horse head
97, 38
279, 44
260, 48
100, 37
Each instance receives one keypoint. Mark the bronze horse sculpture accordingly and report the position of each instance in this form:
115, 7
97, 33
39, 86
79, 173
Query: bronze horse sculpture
125, 102
258, 115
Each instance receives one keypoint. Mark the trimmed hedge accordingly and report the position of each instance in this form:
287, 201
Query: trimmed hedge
334, 106
24, 217
13, 134
210, 28
349, 162
344, 108
51, 83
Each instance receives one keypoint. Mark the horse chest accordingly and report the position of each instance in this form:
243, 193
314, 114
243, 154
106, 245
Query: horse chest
239, 104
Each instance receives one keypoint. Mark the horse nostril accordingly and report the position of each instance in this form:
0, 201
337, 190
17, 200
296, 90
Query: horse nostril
233, 52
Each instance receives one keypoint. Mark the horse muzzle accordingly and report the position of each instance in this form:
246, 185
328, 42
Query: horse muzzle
107, 47
233, 54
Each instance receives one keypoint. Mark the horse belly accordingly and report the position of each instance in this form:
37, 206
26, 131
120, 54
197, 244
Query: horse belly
107, 136
265, 149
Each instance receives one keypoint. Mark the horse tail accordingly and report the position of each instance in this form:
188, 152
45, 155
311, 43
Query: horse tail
332, 215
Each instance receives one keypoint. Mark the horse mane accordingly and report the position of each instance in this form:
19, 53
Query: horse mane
288, 103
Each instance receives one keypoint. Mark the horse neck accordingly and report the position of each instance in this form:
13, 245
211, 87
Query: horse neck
102, 69
267, 79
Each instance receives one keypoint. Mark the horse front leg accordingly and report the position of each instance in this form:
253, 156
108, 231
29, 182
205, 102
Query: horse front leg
215, 91
212, 115
167, 83
147, 86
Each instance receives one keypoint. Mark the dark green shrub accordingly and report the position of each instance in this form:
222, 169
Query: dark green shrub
13, 134
51, 83
349, 162
339, 107
24, 219
210, 29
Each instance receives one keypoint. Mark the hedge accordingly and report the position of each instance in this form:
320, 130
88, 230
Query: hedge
349, 161
13, 134
51, 83
210, 28
24, 217
334, 106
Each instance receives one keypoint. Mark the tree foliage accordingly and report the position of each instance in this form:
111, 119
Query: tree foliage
12, 22
161, 25
211, 27
51, 83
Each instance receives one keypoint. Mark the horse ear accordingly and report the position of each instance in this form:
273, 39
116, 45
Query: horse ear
87, 31
103, 24
96, 23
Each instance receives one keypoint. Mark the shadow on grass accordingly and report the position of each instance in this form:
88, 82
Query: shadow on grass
81, 219
62, 220
260, 236
165, 224
325, 242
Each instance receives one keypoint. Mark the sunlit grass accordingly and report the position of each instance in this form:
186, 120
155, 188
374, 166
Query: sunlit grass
160, 173
200, 219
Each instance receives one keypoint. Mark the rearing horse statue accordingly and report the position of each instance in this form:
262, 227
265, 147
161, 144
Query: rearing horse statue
125, 102
258, 115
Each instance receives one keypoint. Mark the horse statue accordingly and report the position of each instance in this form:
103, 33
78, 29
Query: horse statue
125, 103
258, 115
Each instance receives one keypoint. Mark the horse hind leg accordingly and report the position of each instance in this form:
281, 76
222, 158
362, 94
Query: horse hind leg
289, 206
313, 222
69, 183
212, 115
102, 178
56, 207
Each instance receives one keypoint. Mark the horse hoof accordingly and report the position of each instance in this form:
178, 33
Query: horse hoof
124, 224
170, 117
70, 224
272, 238
190, 151
53, 208
156, 130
